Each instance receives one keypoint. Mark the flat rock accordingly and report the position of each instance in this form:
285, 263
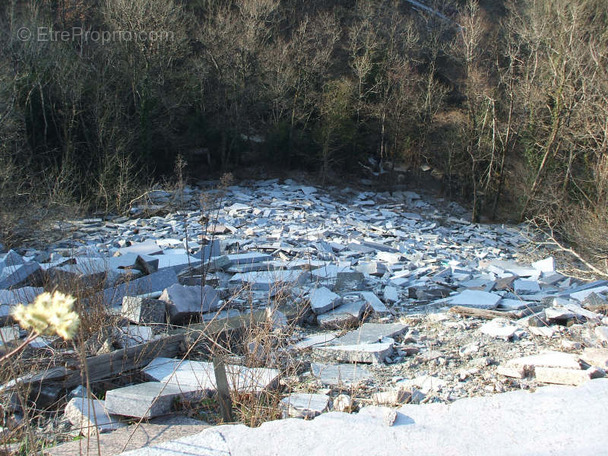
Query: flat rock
303, 405
323, 300
340, 374
475, 298
315, 339
558, 376
91, 416
525, 287
144, 400
549, 359
360, 353
344, 316
349, 281
596, 357
133, 437
267, 280
554, 420
248, 258
184, 302
500, 329
374, 302
369, 333
391, 294
158, 281
200, 376
144, 310
19, 275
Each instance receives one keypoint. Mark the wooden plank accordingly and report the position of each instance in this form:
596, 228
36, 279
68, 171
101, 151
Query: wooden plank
119, 362
480, 313
223, 389
111, 365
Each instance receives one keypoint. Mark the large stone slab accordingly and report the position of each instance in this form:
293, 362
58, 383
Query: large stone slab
267, 280
185, 302
341, 374
144, 310
148, 284
86, 272
549, 359
19, 275
200, 376
303, 405
475, 298
144, 400
554, 420
374, 302
248, 258
91, 416
344, 316
323, 300
369, 333
360, 353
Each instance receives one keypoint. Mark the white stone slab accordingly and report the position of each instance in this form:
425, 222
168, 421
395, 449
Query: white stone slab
90, 416
200, 375
323, 300
554, 420
303, 405
475, 298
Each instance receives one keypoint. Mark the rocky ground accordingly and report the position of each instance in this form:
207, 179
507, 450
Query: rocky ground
359, 299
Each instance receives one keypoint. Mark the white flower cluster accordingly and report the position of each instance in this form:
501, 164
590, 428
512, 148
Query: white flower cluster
48, 315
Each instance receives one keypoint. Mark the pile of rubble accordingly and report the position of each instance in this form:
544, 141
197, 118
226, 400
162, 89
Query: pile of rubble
380, 299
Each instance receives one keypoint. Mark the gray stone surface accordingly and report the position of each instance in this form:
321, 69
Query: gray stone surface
360, 353
475, 298
133, 437
304, 405
185, 302
91, 416
374, 302
349, 281
340, 374
344, 316
200, 376
144, 400
144, 310
267, 280
19, 275
154, 282
552, 421
323, 300
369, 333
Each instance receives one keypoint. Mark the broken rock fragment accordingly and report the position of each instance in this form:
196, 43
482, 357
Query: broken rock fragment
302, 405
144, 400
323, 300
143, 310
91, 416
185, 302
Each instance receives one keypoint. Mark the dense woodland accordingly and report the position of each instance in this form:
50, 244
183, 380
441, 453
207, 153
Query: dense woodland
507, 102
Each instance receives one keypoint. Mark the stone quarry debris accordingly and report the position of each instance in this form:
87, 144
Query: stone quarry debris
185, 302
91, 416
340, 374
199, 376
302, 405
381, 270
144, 400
